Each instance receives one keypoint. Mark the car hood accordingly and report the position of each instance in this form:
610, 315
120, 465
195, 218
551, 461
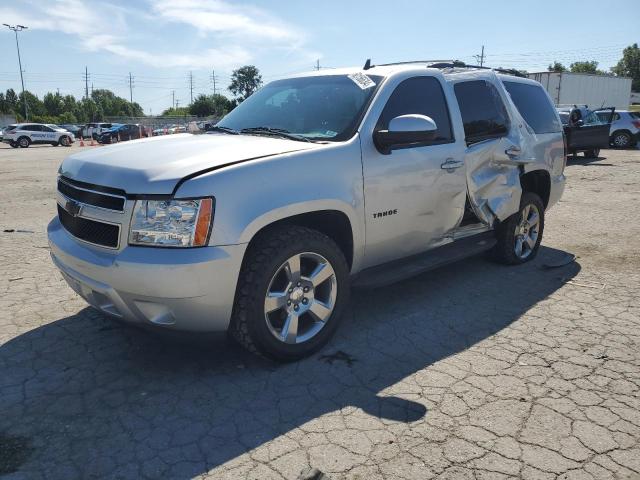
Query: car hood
154, 166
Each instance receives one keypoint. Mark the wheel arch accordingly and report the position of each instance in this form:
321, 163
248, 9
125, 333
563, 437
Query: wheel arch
539, 182
333, 223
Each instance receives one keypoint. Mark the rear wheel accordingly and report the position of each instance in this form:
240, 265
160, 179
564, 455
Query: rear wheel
621, 139
292, 288
24, 142
519, 236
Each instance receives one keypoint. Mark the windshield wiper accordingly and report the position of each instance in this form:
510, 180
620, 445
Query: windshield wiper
278, 132
219, 128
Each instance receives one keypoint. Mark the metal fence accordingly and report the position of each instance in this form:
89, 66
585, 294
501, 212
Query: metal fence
161, 122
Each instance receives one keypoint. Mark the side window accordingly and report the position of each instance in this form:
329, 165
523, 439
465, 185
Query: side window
423, 96
483, 113
46, 129
33, 128
534, 106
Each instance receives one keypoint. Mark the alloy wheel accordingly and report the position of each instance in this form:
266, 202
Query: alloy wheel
300, 298
527, 231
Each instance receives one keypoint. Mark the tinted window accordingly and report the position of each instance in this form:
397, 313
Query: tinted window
46, 129
534, 105
635, 114
483, 113
423, 96
32, 128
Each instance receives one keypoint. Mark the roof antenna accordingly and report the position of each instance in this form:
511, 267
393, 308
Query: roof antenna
367, 64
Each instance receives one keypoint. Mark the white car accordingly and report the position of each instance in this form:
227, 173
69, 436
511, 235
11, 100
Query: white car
24, 134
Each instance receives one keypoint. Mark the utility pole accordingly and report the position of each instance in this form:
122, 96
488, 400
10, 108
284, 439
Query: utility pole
318, 64
86, 82
191, 85
213, 79
173, 98
130, 87
480, 58
16, 29
177, 103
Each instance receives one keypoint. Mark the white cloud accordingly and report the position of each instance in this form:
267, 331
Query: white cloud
221, 18
242, 30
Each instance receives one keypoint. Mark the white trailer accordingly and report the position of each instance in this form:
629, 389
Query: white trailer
586, 89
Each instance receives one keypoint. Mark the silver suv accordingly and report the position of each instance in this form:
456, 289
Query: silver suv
313, 184
625, 127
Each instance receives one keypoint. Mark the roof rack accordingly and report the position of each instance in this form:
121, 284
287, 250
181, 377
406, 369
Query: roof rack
448, 64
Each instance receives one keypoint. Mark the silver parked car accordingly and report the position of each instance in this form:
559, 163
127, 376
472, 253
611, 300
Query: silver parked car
313, 184
625, 127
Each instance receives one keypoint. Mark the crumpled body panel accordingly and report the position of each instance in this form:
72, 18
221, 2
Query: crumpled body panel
493, 175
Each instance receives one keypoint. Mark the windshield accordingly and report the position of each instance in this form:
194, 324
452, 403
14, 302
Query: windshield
319, 108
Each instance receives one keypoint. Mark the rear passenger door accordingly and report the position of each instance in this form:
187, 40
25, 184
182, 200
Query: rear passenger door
413, 202
493, 148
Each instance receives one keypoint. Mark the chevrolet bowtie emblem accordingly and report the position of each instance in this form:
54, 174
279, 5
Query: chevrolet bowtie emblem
73, 208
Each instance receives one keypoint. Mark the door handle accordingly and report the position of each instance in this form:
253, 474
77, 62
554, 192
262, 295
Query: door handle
513, 151
450, 164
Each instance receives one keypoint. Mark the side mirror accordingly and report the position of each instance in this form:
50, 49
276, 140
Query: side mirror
405, 131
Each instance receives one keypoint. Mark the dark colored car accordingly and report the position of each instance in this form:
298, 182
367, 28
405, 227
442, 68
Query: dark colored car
122, 133
585, 131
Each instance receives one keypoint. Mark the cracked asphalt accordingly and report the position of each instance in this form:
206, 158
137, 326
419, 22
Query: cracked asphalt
473, 371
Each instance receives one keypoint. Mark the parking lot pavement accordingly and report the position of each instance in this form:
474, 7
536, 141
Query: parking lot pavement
472, 371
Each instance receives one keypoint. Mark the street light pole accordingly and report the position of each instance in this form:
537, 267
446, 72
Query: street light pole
16, 29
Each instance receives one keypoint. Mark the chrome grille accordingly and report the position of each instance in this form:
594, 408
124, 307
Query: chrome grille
74, 191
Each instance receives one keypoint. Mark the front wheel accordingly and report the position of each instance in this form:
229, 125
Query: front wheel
519, 236
65, 141
292, 288
14, 144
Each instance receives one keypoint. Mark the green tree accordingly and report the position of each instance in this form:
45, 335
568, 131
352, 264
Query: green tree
11, 100
176, 112
207, 105
586, 67
67, 117
556, 67
53, 103
629, 66
244, 81
34, 104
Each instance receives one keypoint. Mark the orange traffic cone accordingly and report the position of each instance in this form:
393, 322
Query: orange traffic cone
92, 144
81, 141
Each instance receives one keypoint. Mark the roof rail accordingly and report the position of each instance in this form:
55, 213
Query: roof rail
508, 71
448, 64
417, 61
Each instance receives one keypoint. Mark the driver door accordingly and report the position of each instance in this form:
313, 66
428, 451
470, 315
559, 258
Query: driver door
414, 197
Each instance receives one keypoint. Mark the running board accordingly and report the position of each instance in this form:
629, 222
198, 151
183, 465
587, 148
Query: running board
397, 270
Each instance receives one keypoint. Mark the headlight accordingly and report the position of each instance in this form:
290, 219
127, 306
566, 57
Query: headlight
171, 223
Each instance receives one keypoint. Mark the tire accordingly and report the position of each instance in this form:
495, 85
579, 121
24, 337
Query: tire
265, 271
595, 153
621, 139
64, 141
55, 144
512, 232
24, 142
14, 144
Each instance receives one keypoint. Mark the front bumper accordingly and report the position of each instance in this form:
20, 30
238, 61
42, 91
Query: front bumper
184, 289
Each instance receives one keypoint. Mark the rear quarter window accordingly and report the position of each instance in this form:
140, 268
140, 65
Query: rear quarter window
534, 106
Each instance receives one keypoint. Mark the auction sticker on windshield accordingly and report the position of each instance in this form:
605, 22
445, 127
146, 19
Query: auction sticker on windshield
362, 80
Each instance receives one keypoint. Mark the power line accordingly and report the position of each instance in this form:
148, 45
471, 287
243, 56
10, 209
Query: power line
480, 58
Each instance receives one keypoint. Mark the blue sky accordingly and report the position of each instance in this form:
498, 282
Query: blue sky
161, 41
